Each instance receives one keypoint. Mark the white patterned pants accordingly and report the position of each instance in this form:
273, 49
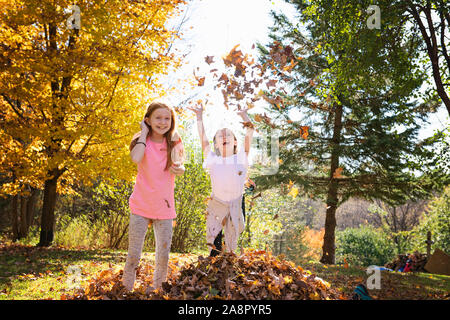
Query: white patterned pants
136, 235
226, 215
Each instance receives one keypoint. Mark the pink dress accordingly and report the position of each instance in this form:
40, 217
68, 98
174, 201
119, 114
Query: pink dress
153, 193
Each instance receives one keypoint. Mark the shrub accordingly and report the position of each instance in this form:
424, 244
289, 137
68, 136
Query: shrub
436, 220
78, 232
96, 218
272, 222
191, 191
363, 246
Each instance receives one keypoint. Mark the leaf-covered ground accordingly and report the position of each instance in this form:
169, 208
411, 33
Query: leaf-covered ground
28, 272
252, 275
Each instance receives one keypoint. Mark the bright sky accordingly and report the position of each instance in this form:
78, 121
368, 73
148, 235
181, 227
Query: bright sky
219, 25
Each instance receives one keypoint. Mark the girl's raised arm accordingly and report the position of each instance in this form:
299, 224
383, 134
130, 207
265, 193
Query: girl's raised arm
249, 130
201, 130
137, 153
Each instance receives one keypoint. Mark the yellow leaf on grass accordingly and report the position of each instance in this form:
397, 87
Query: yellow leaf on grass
293, 192
290, 184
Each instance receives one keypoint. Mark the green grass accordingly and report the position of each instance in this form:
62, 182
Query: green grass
28, 272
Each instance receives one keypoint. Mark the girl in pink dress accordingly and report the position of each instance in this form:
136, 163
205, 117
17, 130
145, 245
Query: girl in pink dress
158, 152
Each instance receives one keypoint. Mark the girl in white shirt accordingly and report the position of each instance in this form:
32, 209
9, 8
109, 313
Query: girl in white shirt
228, 168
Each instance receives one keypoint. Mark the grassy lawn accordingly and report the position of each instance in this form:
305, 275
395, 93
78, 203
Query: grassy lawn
28, 272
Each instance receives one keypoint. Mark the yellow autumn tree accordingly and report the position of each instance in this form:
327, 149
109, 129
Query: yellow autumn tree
75, 78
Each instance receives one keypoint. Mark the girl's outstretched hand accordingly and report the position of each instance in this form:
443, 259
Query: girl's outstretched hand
244, 115
198, 110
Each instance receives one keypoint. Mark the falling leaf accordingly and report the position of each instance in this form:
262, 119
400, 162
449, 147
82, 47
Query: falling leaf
223, 78
290, 66
238, 95
250, 105
304, 132
200, 81
248, 124
209, 59
337, 173
271, 83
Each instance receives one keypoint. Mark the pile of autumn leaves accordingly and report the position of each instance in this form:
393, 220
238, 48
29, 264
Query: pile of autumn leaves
254, 275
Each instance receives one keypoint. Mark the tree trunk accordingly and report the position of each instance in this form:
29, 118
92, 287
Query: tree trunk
119, 239
432, 49
23, 228
31, 205
14, 217
328, 248
48, 211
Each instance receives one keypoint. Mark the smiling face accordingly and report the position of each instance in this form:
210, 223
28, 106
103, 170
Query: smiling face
160, 121
225, 142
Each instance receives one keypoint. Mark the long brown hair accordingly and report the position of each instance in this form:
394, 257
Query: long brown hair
168, 135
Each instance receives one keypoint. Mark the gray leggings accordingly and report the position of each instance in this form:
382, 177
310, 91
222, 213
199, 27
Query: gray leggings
163, 238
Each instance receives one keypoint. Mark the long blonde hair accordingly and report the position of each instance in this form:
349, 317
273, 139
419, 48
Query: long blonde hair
168, 135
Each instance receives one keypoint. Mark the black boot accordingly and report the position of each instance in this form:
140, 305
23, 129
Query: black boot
218, 245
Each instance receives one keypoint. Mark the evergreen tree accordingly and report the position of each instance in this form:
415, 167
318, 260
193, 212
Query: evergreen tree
352, 87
